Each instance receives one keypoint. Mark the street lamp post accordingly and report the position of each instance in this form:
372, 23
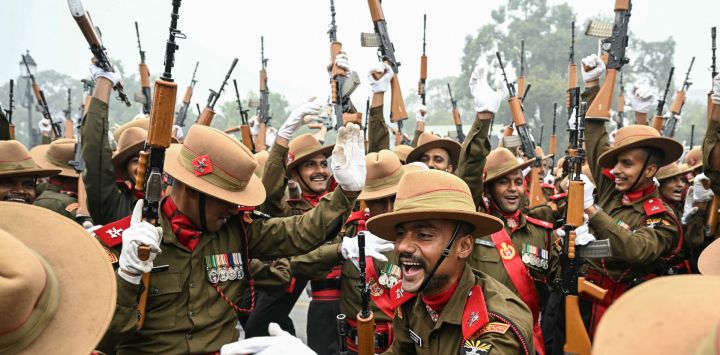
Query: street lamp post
29, 101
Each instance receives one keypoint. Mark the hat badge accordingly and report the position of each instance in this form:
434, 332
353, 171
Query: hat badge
202, 165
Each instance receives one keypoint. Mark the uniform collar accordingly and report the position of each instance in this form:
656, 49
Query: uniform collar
639, 195
453, 311
517, 218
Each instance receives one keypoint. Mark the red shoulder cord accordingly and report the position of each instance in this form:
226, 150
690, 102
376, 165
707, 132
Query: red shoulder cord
251, 281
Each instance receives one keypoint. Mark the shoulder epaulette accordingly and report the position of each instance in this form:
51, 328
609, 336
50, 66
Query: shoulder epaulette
559, 196
398, 296
111, 234
548, 186
258, 214
539, 222
608, 174
475, 314
653, 206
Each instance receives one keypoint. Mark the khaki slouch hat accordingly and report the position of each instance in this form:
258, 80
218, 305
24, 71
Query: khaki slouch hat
432, 194
303, 147
641, 136
49, 302
15, 160
384, 172
212, 162
56, 155
500, 162
428, 141
671, 171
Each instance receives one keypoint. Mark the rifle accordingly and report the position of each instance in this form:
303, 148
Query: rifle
88, 85
338, 77
713, 71
542, 131
93, 37
572, 75
676, 107
144, 75
182, 114
244, 127
41, 102
456, 116
423, 66
712, 217
152, 158
68, 118
577, 340
365, 318
208, 113
342, 333
659, 118
521, 78
386, 53
264, 107
621, 104
536, 195
9, 111
615, 46
553, 137
367, 119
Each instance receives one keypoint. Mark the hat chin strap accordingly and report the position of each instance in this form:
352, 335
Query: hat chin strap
647, 160
444, 254
201, 211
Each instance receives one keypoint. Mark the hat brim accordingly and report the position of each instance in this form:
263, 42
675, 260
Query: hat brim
121, 157
378, 194
490, 178
384, 225
681, 172
252, 195
36, 172
672, 149
325, 150
39, 155
88, 288
667, 315
709, 260
452, 147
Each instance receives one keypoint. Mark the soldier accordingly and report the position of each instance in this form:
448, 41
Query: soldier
442, 305
109, 179
643, 231
207, 243
435, 152
45, 307
61, 194
19, 173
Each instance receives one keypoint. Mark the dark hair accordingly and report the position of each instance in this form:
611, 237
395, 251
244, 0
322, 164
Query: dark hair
465, 228
655, 156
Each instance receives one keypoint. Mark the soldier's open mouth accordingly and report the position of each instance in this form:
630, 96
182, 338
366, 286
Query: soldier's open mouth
411, 269
12, 198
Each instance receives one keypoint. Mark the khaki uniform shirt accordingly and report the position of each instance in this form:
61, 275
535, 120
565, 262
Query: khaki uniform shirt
446, 336
58, 202
185, 312
106, 201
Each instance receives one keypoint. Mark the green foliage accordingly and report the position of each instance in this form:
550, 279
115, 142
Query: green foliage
229, 114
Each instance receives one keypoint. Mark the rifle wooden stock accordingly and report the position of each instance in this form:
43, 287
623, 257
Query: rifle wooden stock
141, 173
516, 111
366, 334
521, 86
575, 204
12, 131
36, 91
376, 11
423, 67
335, 49
144, 75
263, 78
577, 341
260, 140
246, 137
600, 107
69, 133
206, 117
397, 103
188, 95
456, 117
677, 104
572, 82
355, 118
587, 288
658, 123
553, 144
536, 197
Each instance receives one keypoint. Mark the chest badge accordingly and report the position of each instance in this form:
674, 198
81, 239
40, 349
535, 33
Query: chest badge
473, 318
507, 251
375, 289
475, 347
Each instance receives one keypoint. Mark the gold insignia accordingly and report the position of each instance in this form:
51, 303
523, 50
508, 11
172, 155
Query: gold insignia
375, 289
72, 207
476, 347
111, 257
493, 327
507, 251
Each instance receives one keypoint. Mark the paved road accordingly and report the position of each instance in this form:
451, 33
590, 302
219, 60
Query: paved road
299, 316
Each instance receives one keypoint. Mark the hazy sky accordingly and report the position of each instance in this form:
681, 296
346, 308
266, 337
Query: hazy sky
296, 41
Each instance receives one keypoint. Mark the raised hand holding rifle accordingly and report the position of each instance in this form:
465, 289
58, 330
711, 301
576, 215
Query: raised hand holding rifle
144, 76
676, 107
386, 53
208, 112
97, 48
342, 80
264, 107
46, 124
642, 98
659, 119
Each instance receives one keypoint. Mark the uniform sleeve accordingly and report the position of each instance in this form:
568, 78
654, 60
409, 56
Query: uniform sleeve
712, 137
275, 181
273, 277
402, 344
295, 235
515, 339
642, 246
317, 263
695, 230
379, 135
55, 205
474, 151
416, 138
106, 202
123, 324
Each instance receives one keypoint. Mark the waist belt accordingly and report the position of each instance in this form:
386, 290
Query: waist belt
326, 289
383, 336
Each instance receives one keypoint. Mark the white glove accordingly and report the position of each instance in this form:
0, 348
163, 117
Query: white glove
139, 233
178, 132
596, 66
582, 233
279, 342
254, 126
295, 120
421, 113
348, 158
484, 97
572, 122
716, 90
688, 210
270, 136
700, 193
525, 171
382, 84
642, 98
97, 72
44, 126
374, 247
549, 178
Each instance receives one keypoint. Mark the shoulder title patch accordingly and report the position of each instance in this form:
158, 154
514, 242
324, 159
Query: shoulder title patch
653, 206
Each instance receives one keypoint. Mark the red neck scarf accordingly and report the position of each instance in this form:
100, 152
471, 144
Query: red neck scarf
438, 301
313, 199
64, 189
512, 219
186, 232
632, 197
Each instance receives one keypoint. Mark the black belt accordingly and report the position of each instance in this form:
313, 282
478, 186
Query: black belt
325, 284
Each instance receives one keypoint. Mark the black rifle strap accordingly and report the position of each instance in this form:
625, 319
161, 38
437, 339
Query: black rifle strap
444, 254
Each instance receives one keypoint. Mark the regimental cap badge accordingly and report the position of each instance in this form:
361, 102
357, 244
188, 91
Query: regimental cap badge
202, 165
291, 157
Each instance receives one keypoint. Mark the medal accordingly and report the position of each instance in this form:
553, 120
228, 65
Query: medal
383, 279
392, 280
232, 274
210, 269
238, 265
526, 258
222, 271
